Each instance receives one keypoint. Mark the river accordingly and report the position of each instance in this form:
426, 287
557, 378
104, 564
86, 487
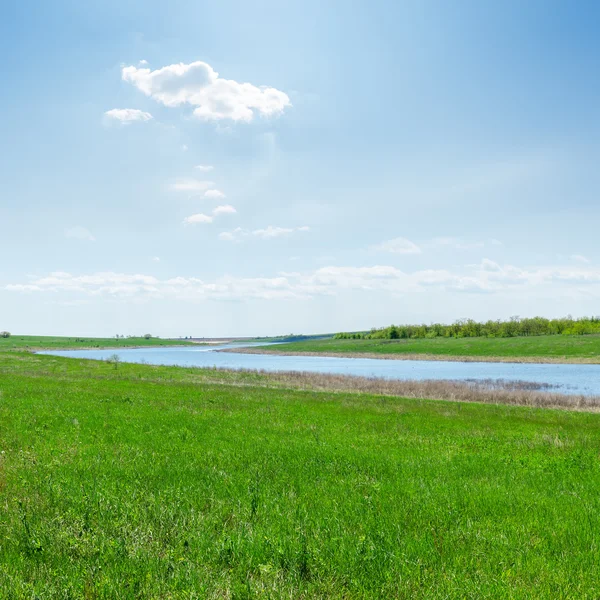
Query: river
563, 378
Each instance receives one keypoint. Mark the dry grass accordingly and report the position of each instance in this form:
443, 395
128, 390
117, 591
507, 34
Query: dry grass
489, 391
560, 360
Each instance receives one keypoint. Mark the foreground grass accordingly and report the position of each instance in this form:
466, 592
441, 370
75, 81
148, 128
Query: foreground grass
41, 342
584, 348
159, 482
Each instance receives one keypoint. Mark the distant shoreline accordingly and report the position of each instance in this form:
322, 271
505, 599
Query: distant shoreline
424, 357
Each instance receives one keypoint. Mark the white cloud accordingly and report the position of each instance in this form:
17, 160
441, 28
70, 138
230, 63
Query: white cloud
200, 86
453, 242
155, 259
191, 185
267, 233
488, 277
185, 147
398, 245
581, 259
126, 116
226, 209
198, 218
80, 233
142, 63
214, 194
404, 246
205, 168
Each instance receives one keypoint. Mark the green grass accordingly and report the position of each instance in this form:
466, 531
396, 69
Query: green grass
38, 342
585, 347
161, 482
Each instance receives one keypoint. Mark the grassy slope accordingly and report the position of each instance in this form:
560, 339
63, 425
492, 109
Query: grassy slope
36, 342
555, 346
159, 482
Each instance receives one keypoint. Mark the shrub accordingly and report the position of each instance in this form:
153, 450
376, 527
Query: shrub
4, 334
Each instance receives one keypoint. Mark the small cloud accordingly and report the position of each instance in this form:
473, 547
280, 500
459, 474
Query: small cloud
155, 259
269, 232
191, 185
80, 233
198, 218
275, 232
452, 242
126, 116
214, 194
580, 258
231, 236
142, 63
398, 246
185, 147
226, 209
205, 168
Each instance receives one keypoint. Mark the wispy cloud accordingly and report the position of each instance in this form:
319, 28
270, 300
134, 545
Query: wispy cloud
580, 258
80, 233
398, 245
267, 233
191, 185
215, 194
198, 218
204, 168
486, 277
225, 209
126, 116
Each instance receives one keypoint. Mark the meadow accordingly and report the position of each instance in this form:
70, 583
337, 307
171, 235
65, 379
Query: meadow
542, 348
41, 342
136, 481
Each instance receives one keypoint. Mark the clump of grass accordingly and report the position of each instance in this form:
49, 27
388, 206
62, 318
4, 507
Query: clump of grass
489, 391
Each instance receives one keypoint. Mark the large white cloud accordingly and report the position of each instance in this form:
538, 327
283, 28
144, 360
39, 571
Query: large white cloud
199, 85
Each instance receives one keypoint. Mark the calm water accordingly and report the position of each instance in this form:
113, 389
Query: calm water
572, 379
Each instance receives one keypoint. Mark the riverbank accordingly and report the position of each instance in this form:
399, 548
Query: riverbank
237, 484
427, 357
557, 349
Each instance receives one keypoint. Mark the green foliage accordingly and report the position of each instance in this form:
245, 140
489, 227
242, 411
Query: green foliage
4, 334
159, 482
514, 327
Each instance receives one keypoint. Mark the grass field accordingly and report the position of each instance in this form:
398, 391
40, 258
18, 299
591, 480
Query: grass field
158, 482
583, 348
40, 342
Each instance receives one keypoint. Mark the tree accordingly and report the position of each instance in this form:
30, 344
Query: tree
394, 334
147, 336
4, 334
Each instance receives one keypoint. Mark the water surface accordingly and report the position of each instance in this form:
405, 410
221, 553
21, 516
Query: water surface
567, 379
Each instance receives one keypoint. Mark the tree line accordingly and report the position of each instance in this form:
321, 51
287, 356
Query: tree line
513, 327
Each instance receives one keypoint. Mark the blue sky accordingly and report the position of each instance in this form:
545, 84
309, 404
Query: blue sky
234, 168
